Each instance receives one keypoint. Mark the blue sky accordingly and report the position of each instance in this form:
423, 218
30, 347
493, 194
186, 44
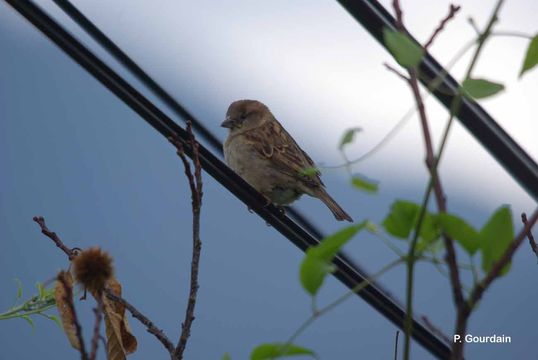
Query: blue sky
78, 156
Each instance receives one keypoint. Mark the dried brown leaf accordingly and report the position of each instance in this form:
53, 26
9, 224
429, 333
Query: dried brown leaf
66, 313
120, 341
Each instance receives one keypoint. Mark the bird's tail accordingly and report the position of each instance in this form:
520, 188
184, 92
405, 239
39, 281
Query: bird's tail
337, 211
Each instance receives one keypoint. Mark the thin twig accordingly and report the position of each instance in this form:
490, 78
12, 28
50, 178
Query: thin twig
463, 310
396, 345
396, 71
432, 86
453, 9
68, 299
432, 163
516, 34
435, 183
98, 311
324, 310
496, 269
195, 183
150, 327
471, 22
532, 242
53, 236
399, 14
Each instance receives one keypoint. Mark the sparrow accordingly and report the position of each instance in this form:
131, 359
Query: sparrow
265, 155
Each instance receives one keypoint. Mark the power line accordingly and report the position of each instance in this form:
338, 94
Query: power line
160, 92
345, 272
374, 17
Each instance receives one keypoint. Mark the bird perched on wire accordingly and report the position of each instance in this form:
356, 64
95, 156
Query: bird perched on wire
262, 152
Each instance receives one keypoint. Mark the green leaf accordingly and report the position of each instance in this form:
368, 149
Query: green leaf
401, 218
348, 137
331, 244
363, 184
531, 57
41, 290
226, 356
277, 350
480, 88
312, 272
309, 171
28, 320
429, 232
55, 319
19, 288
459, 230
317, 262
405, 51
495, 237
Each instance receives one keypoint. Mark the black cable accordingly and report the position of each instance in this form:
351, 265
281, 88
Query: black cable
176, 107
374, 17
115, 51
158, 91
346, 273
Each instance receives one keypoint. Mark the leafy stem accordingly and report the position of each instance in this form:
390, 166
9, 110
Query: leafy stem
21, 311
434, 183
35, 305
322, 311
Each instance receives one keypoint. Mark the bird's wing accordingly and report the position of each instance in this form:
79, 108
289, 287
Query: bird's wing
273, 142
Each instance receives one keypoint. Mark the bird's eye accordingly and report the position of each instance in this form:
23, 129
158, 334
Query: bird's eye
243, 116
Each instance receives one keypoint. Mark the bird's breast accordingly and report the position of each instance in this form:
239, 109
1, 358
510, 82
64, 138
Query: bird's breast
253, 167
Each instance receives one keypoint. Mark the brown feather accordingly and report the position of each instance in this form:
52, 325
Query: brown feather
275, 143
260, 150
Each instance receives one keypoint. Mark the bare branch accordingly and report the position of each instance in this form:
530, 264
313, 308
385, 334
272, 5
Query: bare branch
464, 311
431, 163
98, 311
54, 237
399, 14
398, 73
150, 327
453, 9
195, 184
496, 269
532, 243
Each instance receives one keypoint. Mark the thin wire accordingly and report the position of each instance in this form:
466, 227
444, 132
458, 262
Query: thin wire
345, 272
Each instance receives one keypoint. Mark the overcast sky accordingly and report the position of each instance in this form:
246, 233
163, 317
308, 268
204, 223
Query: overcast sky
78, 156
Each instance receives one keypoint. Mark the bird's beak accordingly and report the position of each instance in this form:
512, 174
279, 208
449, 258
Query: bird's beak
228, 123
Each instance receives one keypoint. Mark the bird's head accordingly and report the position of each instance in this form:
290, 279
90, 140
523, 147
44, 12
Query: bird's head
245, 115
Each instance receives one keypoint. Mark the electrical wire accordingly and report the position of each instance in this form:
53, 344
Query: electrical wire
345, 272
120, 56
374, 17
